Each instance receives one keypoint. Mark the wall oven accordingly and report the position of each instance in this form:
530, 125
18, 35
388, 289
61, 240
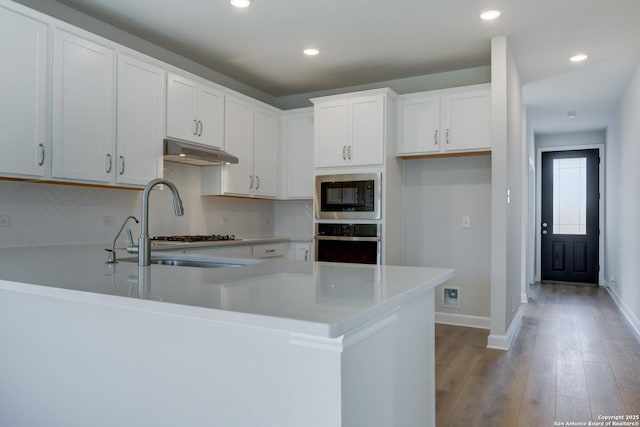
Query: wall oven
353, 243
348, 196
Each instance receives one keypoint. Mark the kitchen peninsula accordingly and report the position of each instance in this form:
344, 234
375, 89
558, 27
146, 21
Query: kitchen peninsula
272, 343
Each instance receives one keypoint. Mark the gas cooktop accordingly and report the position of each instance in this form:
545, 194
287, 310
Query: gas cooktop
195, 238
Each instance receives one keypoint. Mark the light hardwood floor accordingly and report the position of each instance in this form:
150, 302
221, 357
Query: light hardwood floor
574, 359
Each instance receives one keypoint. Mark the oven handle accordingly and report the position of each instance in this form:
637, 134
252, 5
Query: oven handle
349, 238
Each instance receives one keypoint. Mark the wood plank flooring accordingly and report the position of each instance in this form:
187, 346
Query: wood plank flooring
574, 359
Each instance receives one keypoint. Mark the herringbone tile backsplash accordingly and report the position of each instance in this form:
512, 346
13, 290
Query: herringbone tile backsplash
58, 214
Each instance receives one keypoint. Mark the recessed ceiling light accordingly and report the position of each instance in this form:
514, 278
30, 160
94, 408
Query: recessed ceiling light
311, 51
578, 57
240, 3
490, 14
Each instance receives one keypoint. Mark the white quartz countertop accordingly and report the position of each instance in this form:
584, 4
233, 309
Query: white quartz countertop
314, 298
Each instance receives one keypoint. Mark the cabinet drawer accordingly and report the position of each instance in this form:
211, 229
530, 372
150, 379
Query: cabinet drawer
269, 250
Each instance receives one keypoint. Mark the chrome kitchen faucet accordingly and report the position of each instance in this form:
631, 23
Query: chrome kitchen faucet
144, 242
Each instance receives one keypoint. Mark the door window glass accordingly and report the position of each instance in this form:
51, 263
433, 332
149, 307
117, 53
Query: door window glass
570, 196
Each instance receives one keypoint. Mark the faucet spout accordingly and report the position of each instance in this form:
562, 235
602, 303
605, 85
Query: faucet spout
112, 252
144, 242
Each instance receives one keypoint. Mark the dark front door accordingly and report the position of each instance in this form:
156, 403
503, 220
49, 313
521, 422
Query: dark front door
570, 216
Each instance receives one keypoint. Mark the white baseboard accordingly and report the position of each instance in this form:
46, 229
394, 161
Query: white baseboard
524, 298
630, 315
503, 342
479, 322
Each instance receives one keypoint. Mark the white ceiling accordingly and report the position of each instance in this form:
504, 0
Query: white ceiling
366, 41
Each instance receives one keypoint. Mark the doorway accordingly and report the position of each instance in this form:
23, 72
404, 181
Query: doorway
570, 216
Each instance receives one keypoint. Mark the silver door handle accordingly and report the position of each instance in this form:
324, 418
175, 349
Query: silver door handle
200, 125
257, 182
349, 152
250, 182
109, 163
195, 125
544, 232
544, 224
41, 147
435, 137
121, 165
344, 152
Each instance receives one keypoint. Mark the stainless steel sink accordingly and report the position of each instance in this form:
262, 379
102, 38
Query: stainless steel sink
192, 260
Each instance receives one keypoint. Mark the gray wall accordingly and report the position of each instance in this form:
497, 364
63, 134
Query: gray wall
438, 193
568, 139
622, 244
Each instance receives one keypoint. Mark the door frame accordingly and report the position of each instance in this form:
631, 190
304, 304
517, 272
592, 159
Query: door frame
538, 208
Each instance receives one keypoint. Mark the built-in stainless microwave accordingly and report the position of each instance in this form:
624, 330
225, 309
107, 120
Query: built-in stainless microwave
348, 196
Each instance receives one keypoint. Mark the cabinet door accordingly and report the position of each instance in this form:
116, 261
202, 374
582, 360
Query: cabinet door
467, 121
181, 105
238, 119
419, 125
210, 113
330, 134
265, 152
23, 84
83, 109
366, 117
140, 121
299, 156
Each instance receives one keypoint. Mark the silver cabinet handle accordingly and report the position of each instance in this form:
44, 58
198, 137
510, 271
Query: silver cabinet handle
250, 182
257, 182
200, 128
306, 255
121, 165
109, 163
344, 152
41, 148
349, 152
195, 123
269, 251
446, 137
435, 137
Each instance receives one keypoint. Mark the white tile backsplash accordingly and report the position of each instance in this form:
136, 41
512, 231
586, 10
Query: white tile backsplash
56, 214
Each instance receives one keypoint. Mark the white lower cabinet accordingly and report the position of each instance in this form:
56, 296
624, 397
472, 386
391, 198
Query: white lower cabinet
23, 85
83, 109
440, 122
259, 250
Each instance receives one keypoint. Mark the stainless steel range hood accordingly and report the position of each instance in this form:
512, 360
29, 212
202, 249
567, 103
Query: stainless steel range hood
195, 154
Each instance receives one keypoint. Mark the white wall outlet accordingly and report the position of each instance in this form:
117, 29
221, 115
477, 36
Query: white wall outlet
466, 222
4, 220
108, 220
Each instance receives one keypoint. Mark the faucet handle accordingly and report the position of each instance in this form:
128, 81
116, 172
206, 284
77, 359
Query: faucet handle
132, 248
130, 237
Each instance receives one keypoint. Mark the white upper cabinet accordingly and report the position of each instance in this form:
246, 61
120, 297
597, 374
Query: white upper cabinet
265, 152
83, 109
23, 85
140, 124
252, 135
350, 131
195, 111
297, 172
455, 121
